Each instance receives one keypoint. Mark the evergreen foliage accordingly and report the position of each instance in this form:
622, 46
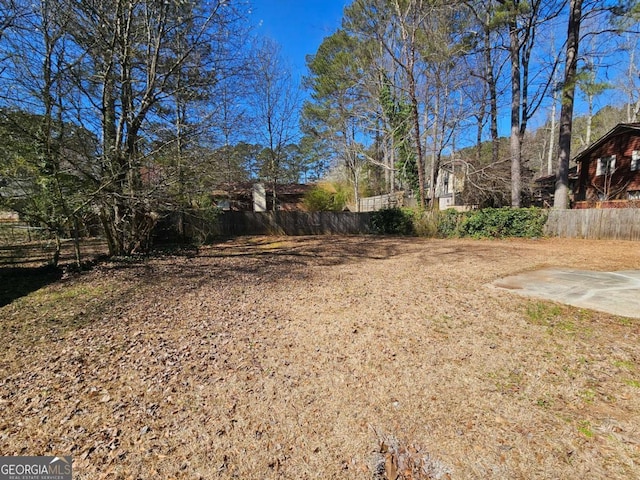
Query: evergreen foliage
392, 221
493, 223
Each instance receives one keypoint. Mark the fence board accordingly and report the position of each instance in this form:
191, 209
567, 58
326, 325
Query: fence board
611, 223
379, 202
620, 224
292, 223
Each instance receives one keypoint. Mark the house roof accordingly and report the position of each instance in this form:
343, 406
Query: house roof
245, 189
573, 175
619, 129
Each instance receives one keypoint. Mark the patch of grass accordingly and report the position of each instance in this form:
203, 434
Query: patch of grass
584, 427
585, 315
627, 322
79, 292
507, 381
566, 325
274, 245
545, 401
19, 282
633, 383
588, 395
571, 372
624, 364
559, 318
542, 313
57, 309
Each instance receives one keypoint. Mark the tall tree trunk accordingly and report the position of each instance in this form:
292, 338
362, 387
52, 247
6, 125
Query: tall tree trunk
356, 187
493, 94
76, 242
587, 137
630, 115
417, 137
435, 154
55, 259
479, 130
109, 147
515, 144
552, 133
561, 198
391, 168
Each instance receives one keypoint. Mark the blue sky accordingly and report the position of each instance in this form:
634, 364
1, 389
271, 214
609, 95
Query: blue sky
297, 25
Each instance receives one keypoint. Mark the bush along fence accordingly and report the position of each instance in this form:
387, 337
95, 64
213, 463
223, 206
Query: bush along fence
493, 223
620, 224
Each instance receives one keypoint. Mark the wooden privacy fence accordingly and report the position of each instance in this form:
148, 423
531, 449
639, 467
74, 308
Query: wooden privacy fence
621, 224
292, 223
379, 202
609, 223
194, 226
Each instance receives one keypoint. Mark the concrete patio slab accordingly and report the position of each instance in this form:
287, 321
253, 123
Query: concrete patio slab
617, 293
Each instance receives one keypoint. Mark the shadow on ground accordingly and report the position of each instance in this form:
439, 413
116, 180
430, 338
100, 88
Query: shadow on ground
249, 260
18, 282
325, 250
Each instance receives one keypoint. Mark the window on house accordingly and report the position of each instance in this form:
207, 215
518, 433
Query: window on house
635, 160
606, 165
634, 194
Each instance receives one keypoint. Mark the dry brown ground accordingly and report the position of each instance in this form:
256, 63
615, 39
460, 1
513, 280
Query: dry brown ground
282, 358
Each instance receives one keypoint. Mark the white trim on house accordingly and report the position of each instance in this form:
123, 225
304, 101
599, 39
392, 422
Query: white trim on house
635, 160
606, 165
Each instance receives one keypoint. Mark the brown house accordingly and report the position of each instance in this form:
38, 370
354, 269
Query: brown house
241, 196
609, 170
544, 189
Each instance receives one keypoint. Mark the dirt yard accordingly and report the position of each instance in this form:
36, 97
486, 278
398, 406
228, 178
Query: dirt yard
291, 358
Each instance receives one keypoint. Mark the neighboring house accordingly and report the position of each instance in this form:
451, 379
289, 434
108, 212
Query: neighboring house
449, 191
609, 170
451, 183
242, 196
9, 217
544, 188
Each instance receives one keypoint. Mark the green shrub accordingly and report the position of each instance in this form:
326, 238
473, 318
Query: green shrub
319, 199
425, 222
392, 221
449, 222
500, 222
486, 223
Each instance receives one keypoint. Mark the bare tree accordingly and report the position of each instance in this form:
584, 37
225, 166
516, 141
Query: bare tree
396, 26
276, 101
8, 15
632, 83
523, 22
561, 198
36, 65
131, 69
444, 79
591, 87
